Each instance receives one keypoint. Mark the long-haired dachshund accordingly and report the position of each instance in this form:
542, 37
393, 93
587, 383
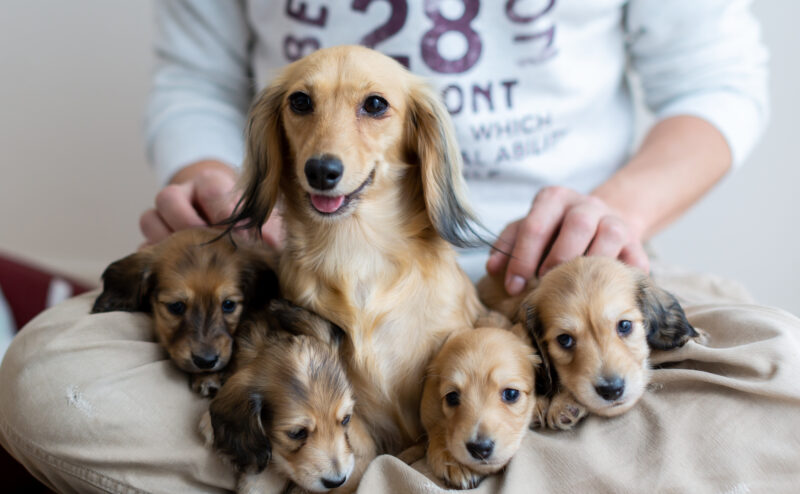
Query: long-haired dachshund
477, 404
595, 321
362, 159
288, 403
197, 287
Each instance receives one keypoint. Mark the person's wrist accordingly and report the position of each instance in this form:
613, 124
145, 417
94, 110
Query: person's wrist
194, 170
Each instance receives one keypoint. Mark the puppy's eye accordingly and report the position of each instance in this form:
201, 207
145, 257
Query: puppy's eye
375, 106
300, 103
566, 341
176, 308
452, 398
510, 395
624, 328
346, 420
299, 434
228, 306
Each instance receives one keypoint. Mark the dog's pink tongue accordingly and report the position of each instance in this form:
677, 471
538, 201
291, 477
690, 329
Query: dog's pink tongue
326, 204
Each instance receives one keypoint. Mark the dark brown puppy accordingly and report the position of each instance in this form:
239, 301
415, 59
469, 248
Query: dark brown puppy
197, 287
289, 403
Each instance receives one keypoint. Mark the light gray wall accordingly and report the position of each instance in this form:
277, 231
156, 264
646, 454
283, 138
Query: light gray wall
73, 178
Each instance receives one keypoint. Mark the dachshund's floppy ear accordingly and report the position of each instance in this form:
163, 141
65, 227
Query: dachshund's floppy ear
665, 321
432, 142
127, 284
546, 377
258, 279
266, 155
240, 418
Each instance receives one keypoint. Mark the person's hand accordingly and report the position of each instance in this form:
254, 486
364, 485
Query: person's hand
201, 194
563, 224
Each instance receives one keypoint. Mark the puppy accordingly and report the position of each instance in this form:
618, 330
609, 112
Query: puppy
594, 321
289, 402
197, 287
362, 156
477, 403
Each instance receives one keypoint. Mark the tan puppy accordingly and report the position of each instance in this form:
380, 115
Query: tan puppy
289, 403
196, 288
363, 158
595, 320
477, 403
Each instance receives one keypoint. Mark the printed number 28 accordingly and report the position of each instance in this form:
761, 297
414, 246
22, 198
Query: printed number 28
442, 25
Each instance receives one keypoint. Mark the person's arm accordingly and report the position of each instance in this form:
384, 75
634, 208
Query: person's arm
202, 88
703, 71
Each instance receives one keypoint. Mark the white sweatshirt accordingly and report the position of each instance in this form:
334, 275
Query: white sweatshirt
537, 88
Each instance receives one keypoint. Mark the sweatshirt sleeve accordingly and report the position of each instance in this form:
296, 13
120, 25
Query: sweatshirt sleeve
201, 87
703, 58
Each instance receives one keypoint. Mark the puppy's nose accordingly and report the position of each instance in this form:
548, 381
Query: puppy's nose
324, 173
610, 388
205, 360
333, 483
481, 450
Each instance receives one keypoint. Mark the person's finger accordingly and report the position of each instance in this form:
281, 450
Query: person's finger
215, 197
501, 249
634, 255
272, 231
153, 227
535, 233
578, 228
612, 235
174, 205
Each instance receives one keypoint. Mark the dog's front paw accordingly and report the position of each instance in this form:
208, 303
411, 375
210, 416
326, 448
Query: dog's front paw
454, 474
539, 414
206, 385
564, 412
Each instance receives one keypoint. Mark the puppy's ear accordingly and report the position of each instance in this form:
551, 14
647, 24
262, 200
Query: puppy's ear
127, 284
240, 418
665, 321
265, 157
432, 142
299, 321
546, 377
258, 279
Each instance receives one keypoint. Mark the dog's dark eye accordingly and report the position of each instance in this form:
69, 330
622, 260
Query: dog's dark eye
452, 398
566, 341
624, 328
176, 308
299, 434
300, 103
510, 395
375, 106
228, 306
346, 420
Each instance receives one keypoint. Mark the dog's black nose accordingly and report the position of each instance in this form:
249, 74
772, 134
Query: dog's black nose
333, 483
610, 388
324, 173
481, 450
205, 360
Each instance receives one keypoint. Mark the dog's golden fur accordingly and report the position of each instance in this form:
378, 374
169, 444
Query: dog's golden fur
197, 291
288, 403
594, 320
477, 403
380, 265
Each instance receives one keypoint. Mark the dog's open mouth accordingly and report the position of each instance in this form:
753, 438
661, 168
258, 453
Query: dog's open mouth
330, 205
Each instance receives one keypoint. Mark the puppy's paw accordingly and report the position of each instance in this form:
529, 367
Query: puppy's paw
564, 412
539, 414
454, 475
206, 429
206, 385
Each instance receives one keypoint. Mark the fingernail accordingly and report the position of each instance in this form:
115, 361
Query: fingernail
515, 284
